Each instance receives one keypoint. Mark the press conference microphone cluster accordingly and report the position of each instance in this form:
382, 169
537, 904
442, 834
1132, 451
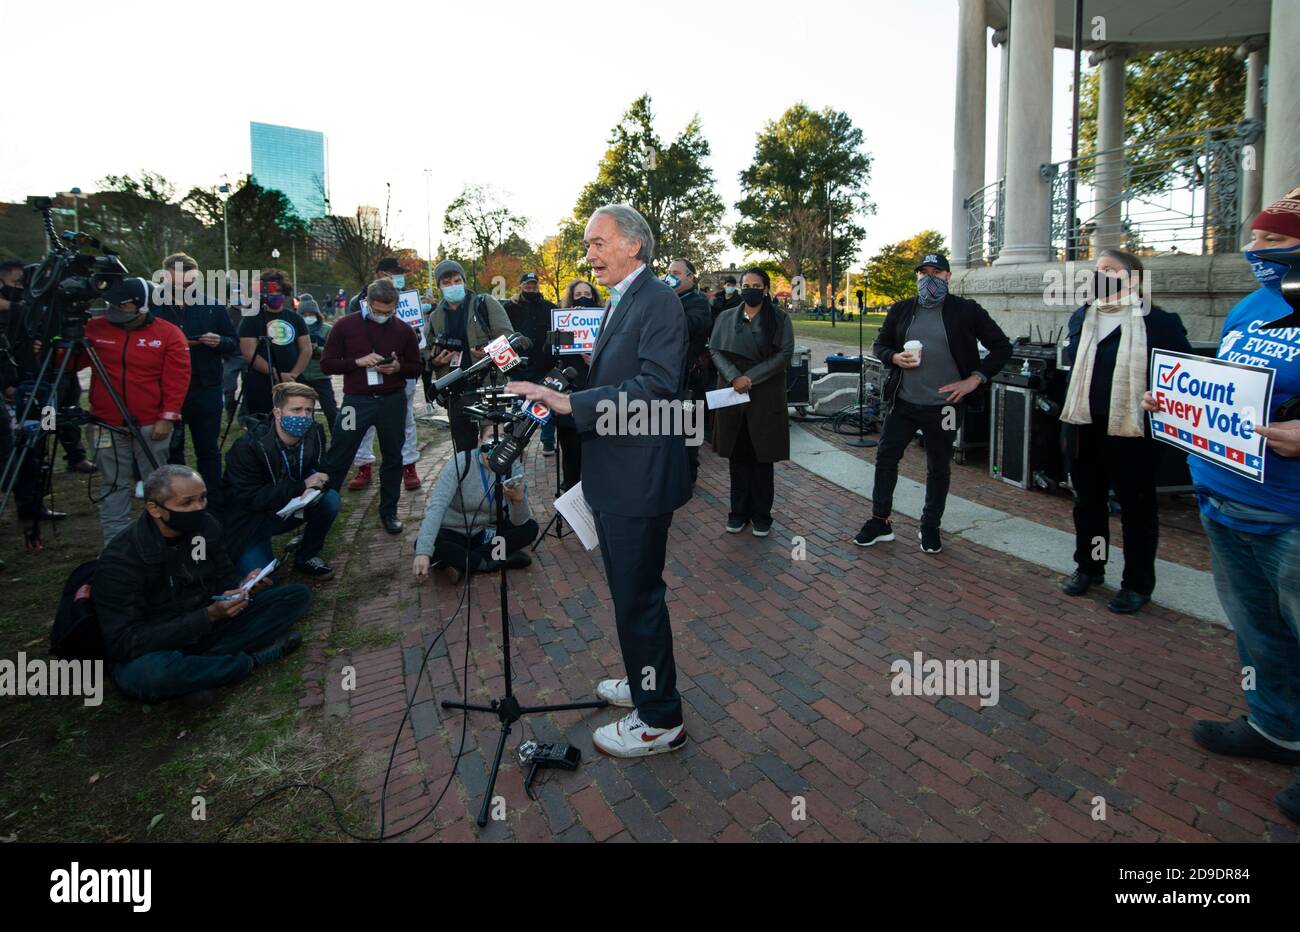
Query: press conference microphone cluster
535, 413
517, 342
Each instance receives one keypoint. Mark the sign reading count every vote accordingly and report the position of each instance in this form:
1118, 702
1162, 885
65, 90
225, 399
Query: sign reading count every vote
1209, 408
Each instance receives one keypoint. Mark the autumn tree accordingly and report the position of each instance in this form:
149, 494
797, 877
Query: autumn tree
891, 273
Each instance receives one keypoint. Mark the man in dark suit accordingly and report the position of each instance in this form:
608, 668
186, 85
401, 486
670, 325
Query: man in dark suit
632, 481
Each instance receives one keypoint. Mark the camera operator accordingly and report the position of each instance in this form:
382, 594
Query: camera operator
391, 270
277, 331
458, 328
278, 459
155, 589
147, 361
530, 314
212, 340
376, 355
459, 524
27, 355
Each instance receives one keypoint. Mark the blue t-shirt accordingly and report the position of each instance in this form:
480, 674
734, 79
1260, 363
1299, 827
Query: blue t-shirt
1243, 341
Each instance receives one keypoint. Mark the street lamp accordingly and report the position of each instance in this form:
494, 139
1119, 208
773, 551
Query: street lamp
224, 193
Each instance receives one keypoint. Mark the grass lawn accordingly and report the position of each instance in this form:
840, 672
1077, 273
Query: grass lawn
843, 331
124, 771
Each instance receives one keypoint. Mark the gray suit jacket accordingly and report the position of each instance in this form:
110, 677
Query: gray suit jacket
639, 358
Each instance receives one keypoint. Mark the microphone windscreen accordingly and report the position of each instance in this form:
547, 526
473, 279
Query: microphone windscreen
520, 342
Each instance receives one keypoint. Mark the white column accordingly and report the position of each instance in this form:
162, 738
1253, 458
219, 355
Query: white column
1026, 236
1255, 53
1000, 39
968, 127
1108, 181
1282, 140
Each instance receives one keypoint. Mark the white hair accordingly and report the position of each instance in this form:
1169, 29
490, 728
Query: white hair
632, 226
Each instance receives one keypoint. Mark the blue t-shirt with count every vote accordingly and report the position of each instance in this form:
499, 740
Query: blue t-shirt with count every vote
1244, 340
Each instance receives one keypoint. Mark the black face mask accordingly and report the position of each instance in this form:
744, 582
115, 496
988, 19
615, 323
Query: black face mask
532, 296
584, 302
1106, 287
753, 297
185, 522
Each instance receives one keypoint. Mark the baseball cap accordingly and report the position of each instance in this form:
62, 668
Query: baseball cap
936, 259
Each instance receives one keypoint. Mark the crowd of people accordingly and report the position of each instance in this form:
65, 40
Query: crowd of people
180, 619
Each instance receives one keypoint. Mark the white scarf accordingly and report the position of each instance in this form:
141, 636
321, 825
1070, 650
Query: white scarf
1129, 382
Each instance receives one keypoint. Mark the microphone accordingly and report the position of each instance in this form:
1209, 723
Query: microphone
502, 353
536, 413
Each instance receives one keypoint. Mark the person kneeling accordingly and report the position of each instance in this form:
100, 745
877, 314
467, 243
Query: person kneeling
154, 588
459, 528
271, 465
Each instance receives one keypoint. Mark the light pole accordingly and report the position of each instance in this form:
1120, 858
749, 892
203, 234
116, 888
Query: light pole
830, 250
224, 192
76, 209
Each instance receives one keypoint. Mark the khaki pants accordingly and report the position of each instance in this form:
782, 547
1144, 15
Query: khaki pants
115, 451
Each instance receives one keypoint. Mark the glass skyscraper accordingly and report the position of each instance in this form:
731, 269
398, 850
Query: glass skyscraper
292, 161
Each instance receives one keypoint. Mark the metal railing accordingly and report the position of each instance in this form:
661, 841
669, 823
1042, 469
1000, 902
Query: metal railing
1175, 194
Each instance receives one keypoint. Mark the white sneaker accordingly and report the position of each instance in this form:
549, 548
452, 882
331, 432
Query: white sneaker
631, 737
615, 692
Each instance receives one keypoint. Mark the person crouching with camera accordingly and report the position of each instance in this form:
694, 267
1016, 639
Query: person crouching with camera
147, 362
276, 461
459, 532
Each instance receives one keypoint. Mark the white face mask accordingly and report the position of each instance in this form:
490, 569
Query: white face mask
380, 318
311, 320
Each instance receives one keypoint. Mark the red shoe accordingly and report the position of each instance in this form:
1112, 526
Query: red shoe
410, 478
361, 479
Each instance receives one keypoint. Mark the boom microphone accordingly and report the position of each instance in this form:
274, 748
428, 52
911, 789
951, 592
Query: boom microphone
535, 414
518, 343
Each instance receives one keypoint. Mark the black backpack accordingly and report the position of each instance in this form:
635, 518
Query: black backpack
76, 634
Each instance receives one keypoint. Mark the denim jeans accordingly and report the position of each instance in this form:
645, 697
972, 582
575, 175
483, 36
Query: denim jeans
1258, 580
548, 434
318, 518
222, 657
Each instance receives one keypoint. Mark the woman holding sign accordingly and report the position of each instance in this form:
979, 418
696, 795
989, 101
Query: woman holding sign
1254, 526
1105, 434
751, 346
579, 293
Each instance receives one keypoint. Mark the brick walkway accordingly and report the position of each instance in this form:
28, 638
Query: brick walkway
784, 667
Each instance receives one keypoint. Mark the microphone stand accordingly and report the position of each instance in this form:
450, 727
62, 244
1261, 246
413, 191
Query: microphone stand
860, 440
507, 709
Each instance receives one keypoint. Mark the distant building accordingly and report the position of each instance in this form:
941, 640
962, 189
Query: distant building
292, 161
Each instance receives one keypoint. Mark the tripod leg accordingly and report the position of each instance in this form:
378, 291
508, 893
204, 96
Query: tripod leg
492, 777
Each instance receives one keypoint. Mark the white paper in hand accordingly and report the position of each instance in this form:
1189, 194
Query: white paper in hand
298, 504
573, 507
265, 572
725, 398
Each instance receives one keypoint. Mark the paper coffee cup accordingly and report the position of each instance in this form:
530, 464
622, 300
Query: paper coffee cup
914, 347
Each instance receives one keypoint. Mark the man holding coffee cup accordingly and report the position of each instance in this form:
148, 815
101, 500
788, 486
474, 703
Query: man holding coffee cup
928, 390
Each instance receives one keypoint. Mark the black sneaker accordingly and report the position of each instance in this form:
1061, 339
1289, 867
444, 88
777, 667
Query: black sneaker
736, 525
873, 532
518, 560
315, 567
762, 528
1127, 601
929, 538
1080, 582
283, 646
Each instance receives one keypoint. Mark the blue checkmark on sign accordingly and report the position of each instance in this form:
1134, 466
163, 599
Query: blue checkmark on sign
1166, 374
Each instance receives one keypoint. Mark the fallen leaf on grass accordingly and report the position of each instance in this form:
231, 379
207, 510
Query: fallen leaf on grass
152, 822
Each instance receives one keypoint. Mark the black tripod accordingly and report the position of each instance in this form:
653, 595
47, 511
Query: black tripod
72, 340
557, 519
507, 709
860, 440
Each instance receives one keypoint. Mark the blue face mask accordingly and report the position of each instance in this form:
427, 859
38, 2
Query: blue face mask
1269, 273
399, 282
426, 307
931, 289
671, 280
453, 294
296, 425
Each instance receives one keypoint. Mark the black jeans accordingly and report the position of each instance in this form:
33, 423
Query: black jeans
387, 414
453, 548
1128, 465
74, 451
901, 425
202, 415
634, 550
329, 406
753, 484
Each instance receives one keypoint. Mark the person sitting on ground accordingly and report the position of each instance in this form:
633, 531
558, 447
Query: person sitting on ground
278, 459
154, 587
459, 528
